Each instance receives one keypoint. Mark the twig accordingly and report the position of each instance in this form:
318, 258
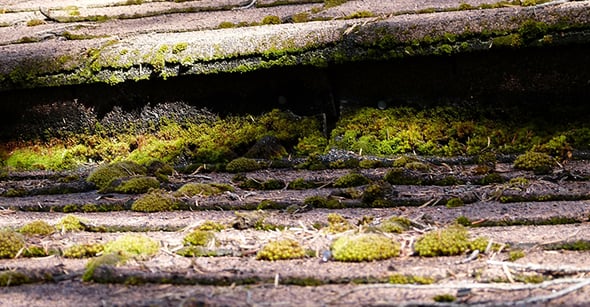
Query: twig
536, 267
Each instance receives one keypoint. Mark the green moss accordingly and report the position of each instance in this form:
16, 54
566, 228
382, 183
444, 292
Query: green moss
399, 176
242, 165
103, 175
155, 201
300, 17
37, 227
359, 14
211, 226
366, 163
133, 246
444, 298
516, 254
323, 202
273, 184
364, 247
197, 251
281, 249
333, 3
226, 25
203, 189
540, 163
410, 279
199, 238
302, 184
579, 245
337, 223
10, 244
492, 178
395, 224
271, 20
351, 180
453, 240
464, 221
110, 259
455, 202
35, 22
13, 278
83, 250
133, 185
71, 223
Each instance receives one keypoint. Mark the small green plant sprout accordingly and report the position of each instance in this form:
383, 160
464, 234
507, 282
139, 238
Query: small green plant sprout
103, 175
155, 201
204, 189
516, 254
281, 249
83, 250
11, 244
364, 247
455, 202
395, 224
351, 180
242, 165
337, 223
199, 238
37, 228
538, 162
71, 223
133, 246
453, 240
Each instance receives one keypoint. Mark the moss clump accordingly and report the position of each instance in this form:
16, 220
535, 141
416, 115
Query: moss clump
464, 221
204, 189
410, 279
155, 201
579, 245
364, 247
103, 175
242, 165
281, 250
111, 259
401, 176
226, 25
370, 163
273, 184
516, 254
337, 223
71, 222
211, 226
300, 17
133, 246
444, 298
492, 178
10, 244
40, 228
333, 3
395, 224
133, 185
322, 202
351, 180
83, 250
455, 202
13, 278
271, 20
199, 238
453, 240
302, 184
538, 162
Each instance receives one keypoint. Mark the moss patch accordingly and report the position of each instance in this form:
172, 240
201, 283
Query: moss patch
453, 240
280, 250
155, 201
37, 227
10, 243
364, 247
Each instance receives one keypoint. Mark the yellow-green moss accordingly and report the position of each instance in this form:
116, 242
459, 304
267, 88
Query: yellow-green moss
364, 247
300, 17
155, 201
516, 254
333, 3
351, 180
10, 243
444, 298
199, 238
83, 250
72, 223
133, 246
323, 202
538, 162
211, 226
226, 25
280, 250
455, 202
410, 279
103, 175
337, 223
301, 184
35, 22
13, 278
204, 189
37, 227
395, 224
110, 259
242, 165
135, 185
271, 20
453, 240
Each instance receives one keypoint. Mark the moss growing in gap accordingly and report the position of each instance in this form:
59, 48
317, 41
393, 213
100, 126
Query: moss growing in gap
199, 238
455, 202
271, 20
133, 246
453, 240
281, 249
155, 201
211, 226
333, 3
83, 250
395, 224
103, 175
203, 189
538, 162
10, 244
516, 254
337, 223
364, 247
37, 228
323, 202
71, 223
410, 279
242, 165
352, 179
